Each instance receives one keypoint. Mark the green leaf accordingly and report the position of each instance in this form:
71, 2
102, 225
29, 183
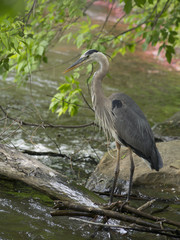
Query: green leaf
15, 42
168, 56
160, 48
60, 111
164, 33
4, 39
128, 6
30, 35
122, 50
155, 37
170, 49
65, 87
10, 55
20, 66
89, 68
94, 26
76, 75
140, 3
131, 47
147, 41
53, 106
40, 50
172, 37
80, 40
145, 46
45, 59
74, 92
6, 64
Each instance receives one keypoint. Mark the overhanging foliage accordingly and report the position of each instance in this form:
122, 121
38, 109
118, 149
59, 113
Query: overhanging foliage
29, 28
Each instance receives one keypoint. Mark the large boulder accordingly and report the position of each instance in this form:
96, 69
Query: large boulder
168, 130
102, 178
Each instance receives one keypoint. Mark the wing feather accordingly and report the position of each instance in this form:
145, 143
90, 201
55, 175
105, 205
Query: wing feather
133, 129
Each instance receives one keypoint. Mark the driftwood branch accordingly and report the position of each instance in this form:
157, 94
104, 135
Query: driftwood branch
137, 224
18, 166
146, 205
139, 229
101, 212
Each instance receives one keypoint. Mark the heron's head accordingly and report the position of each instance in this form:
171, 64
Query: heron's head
88, 56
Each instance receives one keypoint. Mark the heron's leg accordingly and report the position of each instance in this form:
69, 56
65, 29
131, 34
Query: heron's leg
131, 173
118, 146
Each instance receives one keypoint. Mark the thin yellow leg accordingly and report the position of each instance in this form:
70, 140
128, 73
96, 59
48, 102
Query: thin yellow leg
131, 174
118, 146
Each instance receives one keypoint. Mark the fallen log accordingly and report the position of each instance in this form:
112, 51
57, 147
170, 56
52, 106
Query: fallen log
73, 201
19, 166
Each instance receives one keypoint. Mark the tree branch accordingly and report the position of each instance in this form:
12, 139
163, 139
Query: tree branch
30, 11
139, 229
52, 154
159, 14
45, 125
70, 209
137, 26
101, 212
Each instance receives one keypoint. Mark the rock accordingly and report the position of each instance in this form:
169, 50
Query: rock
168, 130
102, 178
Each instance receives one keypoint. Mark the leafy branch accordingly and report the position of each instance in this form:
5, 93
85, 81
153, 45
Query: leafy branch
25, 40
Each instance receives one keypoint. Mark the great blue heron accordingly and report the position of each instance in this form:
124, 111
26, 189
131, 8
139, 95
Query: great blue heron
121, 118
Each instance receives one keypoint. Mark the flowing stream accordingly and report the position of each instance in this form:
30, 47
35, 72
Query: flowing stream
25, 213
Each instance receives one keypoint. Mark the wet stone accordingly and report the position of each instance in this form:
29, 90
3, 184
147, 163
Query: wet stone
101, 179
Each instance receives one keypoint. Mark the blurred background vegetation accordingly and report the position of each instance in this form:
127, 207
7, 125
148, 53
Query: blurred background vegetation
30, 28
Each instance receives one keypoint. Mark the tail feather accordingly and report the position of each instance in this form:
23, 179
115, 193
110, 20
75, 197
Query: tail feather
156, 160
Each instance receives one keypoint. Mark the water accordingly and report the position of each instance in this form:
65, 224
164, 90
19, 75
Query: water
28, 219
25, 213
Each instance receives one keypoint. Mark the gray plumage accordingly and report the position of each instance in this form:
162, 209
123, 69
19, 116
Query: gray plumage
133, 129
121, 118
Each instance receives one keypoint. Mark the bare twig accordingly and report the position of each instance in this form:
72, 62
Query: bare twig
52, 154
133, 28
161, 210
142, 198
45, 125
107, 17
134, 228
89, 106
146, 205
65, 208
162, 11
30, 12
148, 216
101, 212
114, 26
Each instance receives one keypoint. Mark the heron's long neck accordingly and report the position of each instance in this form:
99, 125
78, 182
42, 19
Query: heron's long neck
101, 103
98, 97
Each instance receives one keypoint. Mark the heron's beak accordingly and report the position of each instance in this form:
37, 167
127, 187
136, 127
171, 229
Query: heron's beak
79, 62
